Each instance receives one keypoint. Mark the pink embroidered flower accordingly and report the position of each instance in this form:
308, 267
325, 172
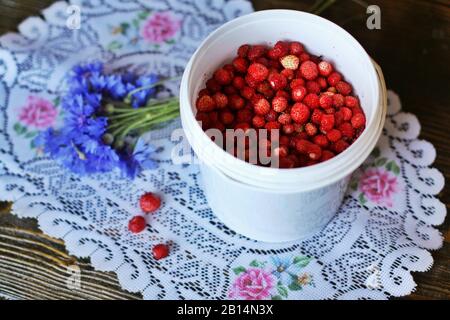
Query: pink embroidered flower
159, 27
38, 113
253, 284
379, 186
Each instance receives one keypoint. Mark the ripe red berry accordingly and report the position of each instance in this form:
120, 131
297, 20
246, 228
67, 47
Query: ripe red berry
261, 106
288, 129
238, 82
271, 125
160, 251
309, 70
313, 87
316, 116
298, 93
279, 104
229, 90
284, 118
358, 120
244, 115
277, 81
265, 89
283, 46
212, 85
226, 117
300, 113
271, 115
288, 73
203, 92
347, 130
247, 92
255, 52
251, 82
245, 126
264, 61
149, 202
223, 76
236, 102
258, 121
204, 120
334, 78
338, 100
323, 84
325, 68
340, 146
221, 100
282, 93
326, 155
137, 224
313, 151
321, 140
243, 50
326, 123
346, 113
296, 48
205, 104
240, 64
334, 135
344, 88
310, 129
304, 57
351, 102
297, 82
258, 71
325, 101
311, 100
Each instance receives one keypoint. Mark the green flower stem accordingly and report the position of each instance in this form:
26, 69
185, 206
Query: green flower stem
131, 93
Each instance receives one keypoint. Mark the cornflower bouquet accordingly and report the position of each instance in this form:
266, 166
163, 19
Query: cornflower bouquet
104, 116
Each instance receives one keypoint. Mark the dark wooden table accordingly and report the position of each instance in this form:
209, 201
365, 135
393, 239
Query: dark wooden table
412, 47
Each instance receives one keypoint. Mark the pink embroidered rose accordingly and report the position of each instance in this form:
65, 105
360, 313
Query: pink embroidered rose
159, 27
379, 186
253, 284
38, 112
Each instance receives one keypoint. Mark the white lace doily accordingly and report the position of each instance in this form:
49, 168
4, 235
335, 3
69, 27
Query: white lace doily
381, 233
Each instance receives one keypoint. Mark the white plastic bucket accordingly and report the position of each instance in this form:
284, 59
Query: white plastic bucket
271, 204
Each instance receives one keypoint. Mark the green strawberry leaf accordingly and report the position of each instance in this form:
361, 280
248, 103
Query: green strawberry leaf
239, 270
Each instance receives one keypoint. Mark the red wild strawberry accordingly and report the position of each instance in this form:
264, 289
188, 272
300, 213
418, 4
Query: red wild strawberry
160, 251
326, 123
304, 57
325, 68
279, 104
309, 70
243, 50
204, 120
310, 129
271, 115
258, 121
264, 88
236, 102
240, 64
358, 120
277, 81
258, 71
281, 151
272, 125
213, 116
149, 202
332, 90
284, 118
313, 151
351, 102
298, 93
321, 140
247, 92
323, 84
340, 146
221, 100
347, 130
334, 135
316, 116
325, 101
252, 83
262, 107
288, 73
298, 82
205, 104
326, 155
288, 129
334, 78
338, 100
226, 117
344, 88
311, 100
238, 82
313, 87
300, 113
223, 76
244, 126
296, 48
263, 61
282, 93
255, 52
137, 224
346, 113
244, 115
203, 92
212, 85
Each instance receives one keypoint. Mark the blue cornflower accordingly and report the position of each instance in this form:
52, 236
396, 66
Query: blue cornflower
140, 159
140, 98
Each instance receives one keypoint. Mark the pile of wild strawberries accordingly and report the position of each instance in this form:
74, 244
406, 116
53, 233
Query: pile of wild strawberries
149, 203
284, 87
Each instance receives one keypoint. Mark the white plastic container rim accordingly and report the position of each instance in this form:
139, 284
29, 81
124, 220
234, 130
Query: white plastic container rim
274, 179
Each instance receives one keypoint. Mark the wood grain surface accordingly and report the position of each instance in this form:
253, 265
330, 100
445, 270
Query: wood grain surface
412, 47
